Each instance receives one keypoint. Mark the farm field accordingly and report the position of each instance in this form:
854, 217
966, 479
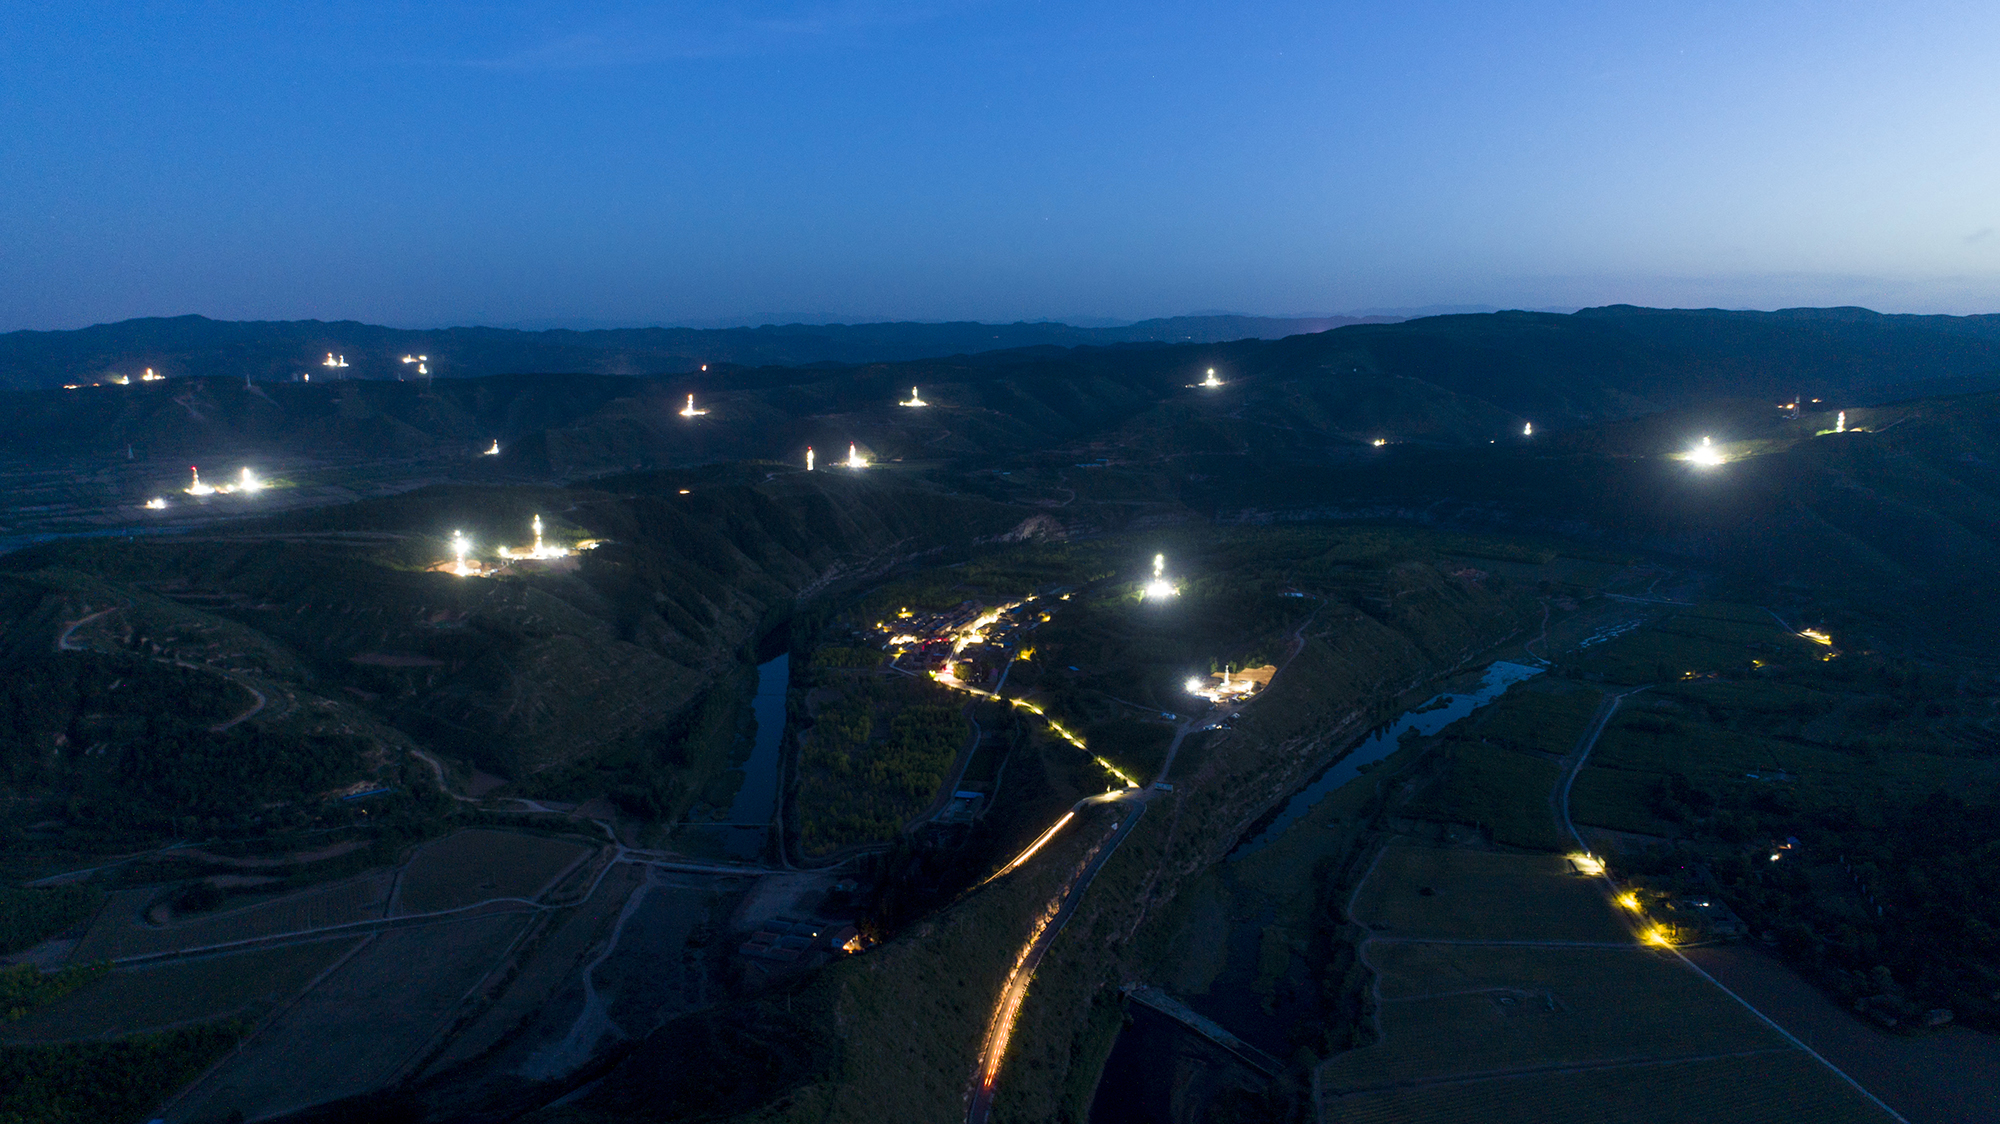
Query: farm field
1480, 895
471, 866
1762, 1087
1486, 1011
360, 1026
1465, 1010
121, 929
1501, 790
246, 984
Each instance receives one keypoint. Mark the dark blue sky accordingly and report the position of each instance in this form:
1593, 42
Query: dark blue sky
436, 163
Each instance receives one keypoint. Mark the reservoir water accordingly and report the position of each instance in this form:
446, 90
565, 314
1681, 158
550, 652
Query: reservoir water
1434, 715
757, 799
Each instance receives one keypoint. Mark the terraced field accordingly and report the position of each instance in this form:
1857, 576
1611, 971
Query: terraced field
1480, 895
1507, 989
247, 984
473, 866
121, 929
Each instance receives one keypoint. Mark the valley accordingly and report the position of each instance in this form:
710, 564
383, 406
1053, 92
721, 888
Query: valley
1314, 745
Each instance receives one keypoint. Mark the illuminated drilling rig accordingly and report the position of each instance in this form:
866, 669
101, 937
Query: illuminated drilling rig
915, 399
540, 550
809, 458
688, 411
1159, 589
854, 457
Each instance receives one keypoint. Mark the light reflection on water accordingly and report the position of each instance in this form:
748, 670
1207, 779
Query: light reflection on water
1434, 715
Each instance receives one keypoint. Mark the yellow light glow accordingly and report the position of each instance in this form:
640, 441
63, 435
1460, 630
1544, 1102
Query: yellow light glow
198, 488
1588, 864
1817, 636
1658, 936
157, 503
149, 376
492, 450
915, 399
689, 411
1528, 430
1381, 441
341, 361
1629, 900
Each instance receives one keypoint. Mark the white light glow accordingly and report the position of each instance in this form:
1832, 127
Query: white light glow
248, 481
1840, 422
198, 488
1705, 455
1528, 430
149, 376
492, 450
1211, 380
809, 458
854, 457
460, 547
915, 399
157, 503
689, 411
1381, 441
539, 550
341, 361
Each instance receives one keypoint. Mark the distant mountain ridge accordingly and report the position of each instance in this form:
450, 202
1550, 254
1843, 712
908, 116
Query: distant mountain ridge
282, 350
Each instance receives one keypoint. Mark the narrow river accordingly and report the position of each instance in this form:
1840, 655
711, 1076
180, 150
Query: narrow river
757, 799
1151, 1059
1434, 715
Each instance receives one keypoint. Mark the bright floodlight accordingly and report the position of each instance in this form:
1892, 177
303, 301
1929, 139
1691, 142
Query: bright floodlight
157, 503
854, 457
460, 547
1528, 430
248, 482
809, 458
915, 399
1840, 422
1705, 455
1211, 380
198, 488
1194, 685
492, 450
690, 411
341, 361
1159, 588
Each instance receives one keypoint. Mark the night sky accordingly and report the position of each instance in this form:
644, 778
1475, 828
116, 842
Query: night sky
437, 163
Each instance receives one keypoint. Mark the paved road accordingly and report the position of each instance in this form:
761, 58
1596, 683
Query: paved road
1582, 753
1001, 1028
